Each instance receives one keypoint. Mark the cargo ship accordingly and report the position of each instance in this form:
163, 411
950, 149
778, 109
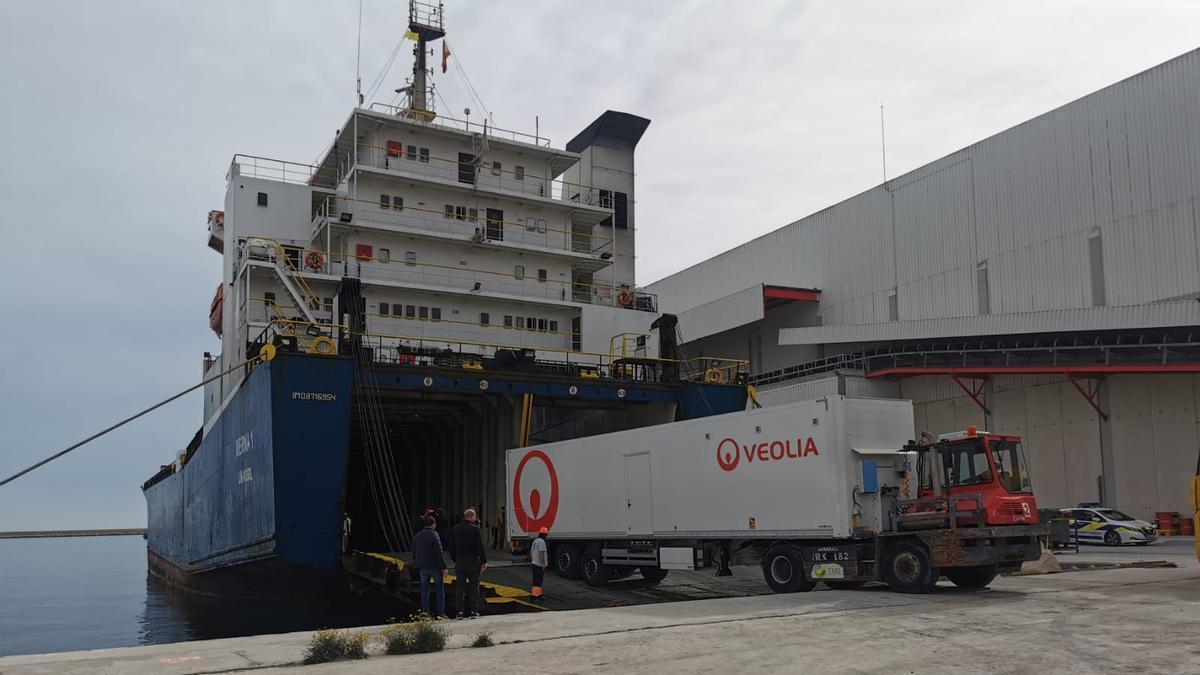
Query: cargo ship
430, 292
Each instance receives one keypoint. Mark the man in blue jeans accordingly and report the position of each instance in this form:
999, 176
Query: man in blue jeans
427, 555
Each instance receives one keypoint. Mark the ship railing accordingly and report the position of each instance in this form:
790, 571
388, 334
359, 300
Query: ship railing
449, 352
420, 322
478, 172
425, 14
467, 125
376, 265
281, 170
550, 233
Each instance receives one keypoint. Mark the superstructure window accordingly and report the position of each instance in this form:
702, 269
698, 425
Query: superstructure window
508, 321
385, 255
553, 326
542, 274
484, 318
496, 170
448, 212
542, 325
397, 203
460, 213
262, 199
424, 154
519, 272
328, 304
435, 313
520, 323
269, 299
530, 323
397, 309
519, 172
385, 202
410, 311
410, 257
472, 215
412, 152
423, 312
621, 210
384, 309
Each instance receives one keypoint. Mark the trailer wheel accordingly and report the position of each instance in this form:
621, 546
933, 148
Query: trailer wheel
595, 572
971, 577
784, 570
653, 574
909, 570
845, 585
566, 560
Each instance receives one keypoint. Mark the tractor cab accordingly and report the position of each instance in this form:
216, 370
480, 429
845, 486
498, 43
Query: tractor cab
970, 478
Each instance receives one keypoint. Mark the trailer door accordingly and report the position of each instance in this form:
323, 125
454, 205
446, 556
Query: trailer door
638, 518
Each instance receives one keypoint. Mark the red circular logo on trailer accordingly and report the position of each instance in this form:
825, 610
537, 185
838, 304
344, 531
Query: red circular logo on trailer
727, 454
535, 517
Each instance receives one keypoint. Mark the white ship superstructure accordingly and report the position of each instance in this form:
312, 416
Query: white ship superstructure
466, 239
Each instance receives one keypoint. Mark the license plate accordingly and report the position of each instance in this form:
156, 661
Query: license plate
830, 554
828, 571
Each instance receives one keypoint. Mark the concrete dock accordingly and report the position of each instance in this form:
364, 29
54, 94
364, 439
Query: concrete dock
1116, 620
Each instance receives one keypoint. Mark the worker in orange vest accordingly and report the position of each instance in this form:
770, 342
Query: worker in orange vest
539, 558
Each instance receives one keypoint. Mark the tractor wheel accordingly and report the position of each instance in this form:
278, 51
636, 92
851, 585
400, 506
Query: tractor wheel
784, 570
971, 577
908, 569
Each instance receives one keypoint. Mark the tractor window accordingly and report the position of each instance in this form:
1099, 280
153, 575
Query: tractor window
965, 464
1010, 465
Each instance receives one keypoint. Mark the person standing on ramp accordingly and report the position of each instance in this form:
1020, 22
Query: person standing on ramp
465, 545
539, 558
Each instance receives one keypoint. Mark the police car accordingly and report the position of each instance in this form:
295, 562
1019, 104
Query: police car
1099, 525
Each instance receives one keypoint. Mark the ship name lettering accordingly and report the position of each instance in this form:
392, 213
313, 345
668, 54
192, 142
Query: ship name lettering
313, 396
244, 444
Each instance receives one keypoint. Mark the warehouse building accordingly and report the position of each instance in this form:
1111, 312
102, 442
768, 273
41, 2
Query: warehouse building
1043, 282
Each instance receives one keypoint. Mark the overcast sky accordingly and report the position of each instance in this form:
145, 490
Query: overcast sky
120, 119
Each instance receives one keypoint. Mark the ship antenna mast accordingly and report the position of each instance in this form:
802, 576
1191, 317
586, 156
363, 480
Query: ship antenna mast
425, 21
358, 58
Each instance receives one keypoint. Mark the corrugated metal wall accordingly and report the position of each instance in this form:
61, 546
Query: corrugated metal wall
1123, 163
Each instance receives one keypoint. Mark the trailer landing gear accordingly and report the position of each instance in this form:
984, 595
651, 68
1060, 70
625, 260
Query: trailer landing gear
724, 559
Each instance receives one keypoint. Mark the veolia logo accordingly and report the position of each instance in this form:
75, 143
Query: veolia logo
535, 517
730, 453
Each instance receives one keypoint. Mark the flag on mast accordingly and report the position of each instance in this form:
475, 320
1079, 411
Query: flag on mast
445, 55
411, 35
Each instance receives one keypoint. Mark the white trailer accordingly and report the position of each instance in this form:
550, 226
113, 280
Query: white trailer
811, 485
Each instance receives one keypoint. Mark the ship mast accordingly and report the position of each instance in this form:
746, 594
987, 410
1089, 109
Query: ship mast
425, 21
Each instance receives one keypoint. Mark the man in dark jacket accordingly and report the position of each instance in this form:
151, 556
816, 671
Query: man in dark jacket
470, 560
427, 555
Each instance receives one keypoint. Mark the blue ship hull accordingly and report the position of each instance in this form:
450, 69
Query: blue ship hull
260, 500
265, 484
